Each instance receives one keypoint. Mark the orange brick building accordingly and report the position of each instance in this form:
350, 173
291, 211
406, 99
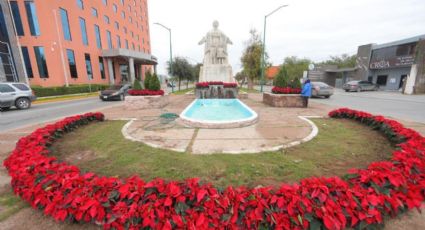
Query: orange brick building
81, 41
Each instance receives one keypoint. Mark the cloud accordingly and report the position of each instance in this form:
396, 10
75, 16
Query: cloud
306, 28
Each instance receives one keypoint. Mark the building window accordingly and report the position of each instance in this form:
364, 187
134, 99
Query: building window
108, 36
118, 41
117, 26
98, 39
41, 61
132, 34
105, 2
101, 68
134, 47
32, 18
17, 18
80, 4
130, 19
106, 18
84, 31
126, 43
94, 12
122, 2
115, 8
122, 14
65, 24
88, 66
72, 64
382, 80
129, 8
27, 62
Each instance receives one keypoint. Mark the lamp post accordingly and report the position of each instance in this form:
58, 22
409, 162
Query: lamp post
263, 61
171, 53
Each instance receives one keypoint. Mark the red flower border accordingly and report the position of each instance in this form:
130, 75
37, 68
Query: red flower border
361, 198
145, 92
285, 90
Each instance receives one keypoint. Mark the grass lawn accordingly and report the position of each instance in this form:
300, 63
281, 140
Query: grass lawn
10, 204
183, 91
246, 90
340, 145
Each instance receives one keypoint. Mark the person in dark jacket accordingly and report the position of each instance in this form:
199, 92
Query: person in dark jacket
306, 92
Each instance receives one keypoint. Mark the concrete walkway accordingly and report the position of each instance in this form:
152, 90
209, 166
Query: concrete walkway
277, 128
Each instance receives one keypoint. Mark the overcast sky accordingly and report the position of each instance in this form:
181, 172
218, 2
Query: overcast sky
314, 29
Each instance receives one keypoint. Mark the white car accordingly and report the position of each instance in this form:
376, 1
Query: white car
15, 94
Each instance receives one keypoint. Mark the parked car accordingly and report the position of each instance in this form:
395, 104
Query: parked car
360, 86
321, 89
15, 94
115, 93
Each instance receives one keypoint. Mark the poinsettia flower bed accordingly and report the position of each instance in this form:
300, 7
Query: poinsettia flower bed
230, 85
285, 90
145, 92
363, 197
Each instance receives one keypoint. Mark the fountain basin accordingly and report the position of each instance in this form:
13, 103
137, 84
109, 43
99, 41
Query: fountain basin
218, 114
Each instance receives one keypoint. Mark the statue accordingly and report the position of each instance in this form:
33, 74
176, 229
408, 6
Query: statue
216, 65
215, 46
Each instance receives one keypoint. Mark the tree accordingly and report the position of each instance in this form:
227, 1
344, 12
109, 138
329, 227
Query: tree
154, 83
241, 78
342, 61
281, 79
295, 67
137, 85
251, 58
182, 69
148, 77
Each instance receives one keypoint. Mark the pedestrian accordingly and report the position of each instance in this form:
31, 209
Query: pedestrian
306, 92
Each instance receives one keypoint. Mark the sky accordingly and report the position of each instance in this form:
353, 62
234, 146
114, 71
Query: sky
315, 29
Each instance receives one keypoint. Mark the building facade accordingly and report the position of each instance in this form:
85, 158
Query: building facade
395, 65
81, 41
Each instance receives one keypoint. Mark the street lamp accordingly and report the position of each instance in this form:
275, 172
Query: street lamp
171, 52
263, 61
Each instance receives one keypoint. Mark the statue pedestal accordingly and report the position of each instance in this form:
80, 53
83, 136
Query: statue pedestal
220, 72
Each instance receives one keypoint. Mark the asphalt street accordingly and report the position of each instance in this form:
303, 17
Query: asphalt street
40, 113
394, 104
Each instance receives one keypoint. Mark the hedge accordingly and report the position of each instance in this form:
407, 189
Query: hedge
63, 90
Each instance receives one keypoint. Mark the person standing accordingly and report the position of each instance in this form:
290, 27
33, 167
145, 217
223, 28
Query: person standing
306, 92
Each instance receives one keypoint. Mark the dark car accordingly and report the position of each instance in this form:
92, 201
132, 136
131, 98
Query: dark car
360, 86
321, 89
115, 93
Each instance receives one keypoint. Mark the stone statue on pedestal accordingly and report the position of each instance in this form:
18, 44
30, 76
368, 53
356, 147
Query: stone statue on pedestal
216, 65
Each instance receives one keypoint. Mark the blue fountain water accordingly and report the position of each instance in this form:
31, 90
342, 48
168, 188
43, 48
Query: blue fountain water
218, 110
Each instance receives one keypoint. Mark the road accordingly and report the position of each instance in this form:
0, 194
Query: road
40, 113
394, 104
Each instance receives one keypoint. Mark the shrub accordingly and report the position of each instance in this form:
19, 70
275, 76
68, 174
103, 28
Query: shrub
148, 77
154, 83
137, 85
63, 90
281, 79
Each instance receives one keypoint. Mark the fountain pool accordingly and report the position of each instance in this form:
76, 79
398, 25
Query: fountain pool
218, 113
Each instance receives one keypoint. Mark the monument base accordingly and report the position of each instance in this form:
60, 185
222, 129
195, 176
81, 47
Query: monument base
221, 72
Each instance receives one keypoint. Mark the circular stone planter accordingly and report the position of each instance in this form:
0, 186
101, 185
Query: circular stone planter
283, 100
145, 102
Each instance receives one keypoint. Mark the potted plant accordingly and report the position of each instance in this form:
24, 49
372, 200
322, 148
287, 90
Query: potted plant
150, 97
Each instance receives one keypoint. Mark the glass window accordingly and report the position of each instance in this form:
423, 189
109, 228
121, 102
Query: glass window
27, 61
105, 2
115, 8
130, 19
123, 14
21, 87
118, 41
32, 18
101, 68
72, 64
117, 26
106, 18
132, 34
94, 12
41, 61
129, 8
65, 24
125, 29
88, 66
98, 39
108, 36
6, 88
126, 43
122, 2
134, 48
80, 4
17, 18
84, 31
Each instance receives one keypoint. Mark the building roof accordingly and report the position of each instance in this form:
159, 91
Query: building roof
142, 57
399, 42
272, 71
